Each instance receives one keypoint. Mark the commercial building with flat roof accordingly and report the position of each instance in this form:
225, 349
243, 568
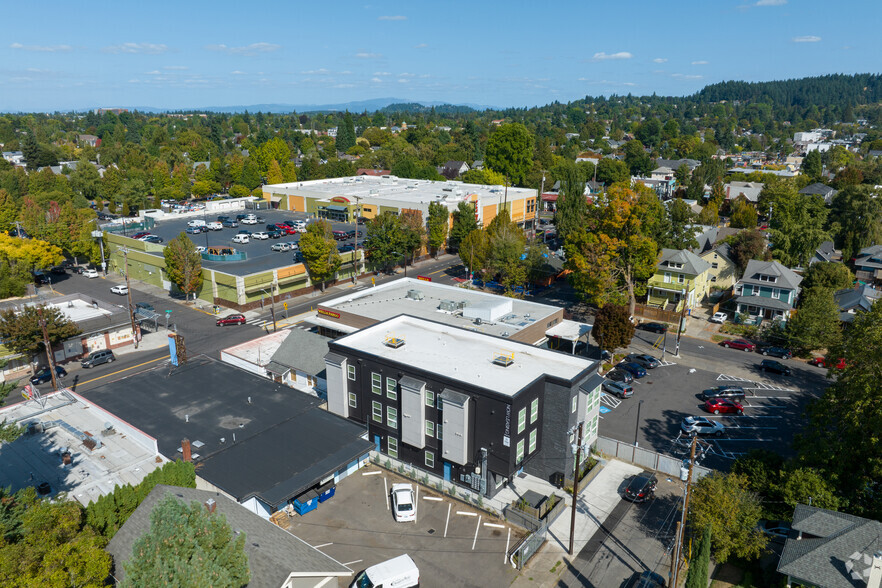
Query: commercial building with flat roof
501, 316
344, 199
469, 406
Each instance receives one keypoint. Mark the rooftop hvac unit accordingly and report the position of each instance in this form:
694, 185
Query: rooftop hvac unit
447, 306
462, 304
414, 294
445, 189
393, 341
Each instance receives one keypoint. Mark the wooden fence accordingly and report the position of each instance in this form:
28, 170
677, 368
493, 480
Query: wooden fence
657, 314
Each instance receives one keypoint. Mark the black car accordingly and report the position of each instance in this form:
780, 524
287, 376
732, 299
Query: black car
41, 277
222, 218
641, 487
654, 327
646, 579
274, 233
727, 392
771, 365
44, 375
345, 248
620, 376
146, 306
775, 351
58, 270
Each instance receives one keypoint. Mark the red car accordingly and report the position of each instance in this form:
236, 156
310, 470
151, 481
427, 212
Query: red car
233, 319
739, 344
141, 234
723, 405
825, 363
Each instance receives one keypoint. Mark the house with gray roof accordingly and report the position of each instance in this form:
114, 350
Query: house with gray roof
299, 362
768, 290
750, 190
819, 189
679, 275
854, 300
675, 163
276, 558
832, 550
826, 252
868, 265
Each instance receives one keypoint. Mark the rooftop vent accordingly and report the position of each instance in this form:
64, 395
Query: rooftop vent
414, 294
447, 306
393, 341
503, 358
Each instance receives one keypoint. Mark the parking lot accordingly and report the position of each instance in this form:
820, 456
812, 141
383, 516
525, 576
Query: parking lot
773, 406
451, 543
261, 257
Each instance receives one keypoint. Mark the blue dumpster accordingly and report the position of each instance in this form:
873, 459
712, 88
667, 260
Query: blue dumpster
327, 491
306, 502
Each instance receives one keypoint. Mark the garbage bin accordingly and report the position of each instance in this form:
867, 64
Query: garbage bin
557, 479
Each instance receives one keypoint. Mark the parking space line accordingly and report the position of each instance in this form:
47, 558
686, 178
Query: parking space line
505, 555
371, 473
385, 493
478, 528
415, 503
466, 514
494, 525
757, 440
449, 505
349, 563
322, 545
435, 498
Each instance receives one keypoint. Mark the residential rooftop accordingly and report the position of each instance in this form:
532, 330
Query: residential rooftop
464, 355
401, 190
66, 422
500, 316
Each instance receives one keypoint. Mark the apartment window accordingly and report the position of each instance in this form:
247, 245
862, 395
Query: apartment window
430, 459
667, 277
534, 411
377, 411
376, 383
430, 398
713, 278
351, 371
574, 403
353, 400
392, 417
522, 420
392, 388
519, 455
430, 429
438, 432
715, 265
532, 447
776, 293
392, 447
681, 278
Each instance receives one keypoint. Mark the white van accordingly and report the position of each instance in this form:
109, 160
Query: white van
241, 238
196, 222
399, 572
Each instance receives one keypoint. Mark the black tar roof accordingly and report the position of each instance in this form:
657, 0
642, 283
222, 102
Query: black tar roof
284, 443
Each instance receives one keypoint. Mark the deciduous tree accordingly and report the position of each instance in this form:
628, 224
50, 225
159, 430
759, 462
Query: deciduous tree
510, 152
682, 223
21, 331
183, 265
464, 222
827, 274
611, 171
187, 546
320, 254
856, 219
746, 245
439, 222
816, 324
742, 214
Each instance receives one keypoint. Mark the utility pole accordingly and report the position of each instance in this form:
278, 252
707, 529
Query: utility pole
538, 200
48, 347
575, 487
273, 311
682, 526
680, 326
125, 251
674, 555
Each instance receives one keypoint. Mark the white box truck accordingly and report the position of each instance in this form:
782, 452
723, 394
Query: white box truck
398, 572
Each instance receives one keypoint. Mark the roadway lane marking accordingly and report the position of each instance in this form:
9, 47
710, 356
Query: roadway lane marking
122, 370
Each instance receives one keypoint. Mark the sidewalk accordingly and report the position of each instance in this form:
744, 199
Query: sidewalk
594, 504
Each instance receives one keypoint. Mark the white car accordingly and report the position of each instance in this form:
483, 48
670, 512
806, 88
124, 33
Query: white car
215, 226
260, 235
403, 504
719, 317
241, 238
121, 289
90, 273
699, 425
281, 247
196, 223
248, 221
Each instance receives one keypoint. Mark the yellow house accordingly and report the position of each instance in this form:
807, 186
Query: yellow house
723, 270
679, 276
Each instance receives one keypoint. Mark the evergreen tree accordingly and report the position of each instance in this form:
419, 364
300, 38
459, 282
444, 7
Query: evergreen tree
700, 564
346, 134
572, 206
613, 328
464, 222
812, 165
320, 254
438, 222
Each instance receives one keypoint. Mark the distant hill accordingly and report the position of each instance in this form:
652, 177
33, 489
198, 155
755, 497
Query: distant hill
371, 105
836, 89
417, 108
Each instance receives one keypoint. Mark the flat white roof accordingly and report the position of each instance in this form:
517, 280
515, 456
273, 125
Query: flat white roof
125, 456
387, 300
78, 310
395, 189
570, 330
464, 355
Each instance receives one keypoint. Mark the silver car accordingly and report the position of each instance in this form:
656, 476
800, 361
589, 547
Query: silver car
619, 389
699, 425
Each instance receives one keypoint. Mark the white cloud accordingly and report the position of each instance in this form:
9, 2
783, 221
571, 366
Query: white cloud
700, 62
344, 86
421, 46
382, 73
403, 81
806, 39
237, 73
155, 72
313, 72
41, 48
680, 76
406, 75
660, 60
396, 17
146, 48
376, 80
252, 49
368, 55
770, 3
346, 73
608, 56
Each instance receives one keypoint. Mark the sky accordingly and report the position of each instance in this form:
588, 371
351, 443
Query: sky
500, 53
